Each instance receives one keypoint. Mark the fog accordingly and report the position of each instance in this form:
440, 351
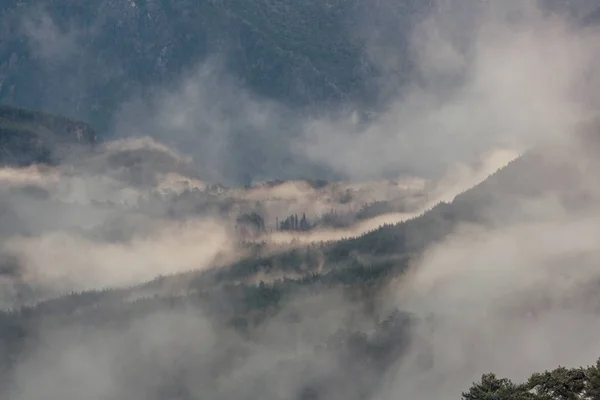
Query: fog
500, 81
182, 344
82, 225
134, 210
508, 295
517, 298
458, 179
513, 301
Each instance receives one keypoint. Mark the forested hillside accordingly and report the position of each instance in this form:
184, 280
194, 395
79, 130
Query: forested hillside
193, 238
215, 324
86, 60
28, 137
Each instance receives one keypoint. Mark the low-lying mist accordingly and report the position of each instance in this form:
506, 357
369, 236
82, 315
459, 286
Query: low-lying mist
511, 289
134, 209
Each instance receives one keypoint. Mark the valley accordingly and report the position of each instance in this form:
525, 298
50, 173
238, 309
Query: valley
299, 200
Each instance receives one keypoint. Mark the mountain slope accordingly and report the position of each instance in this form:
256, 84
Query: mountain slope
254, 308
86, 60
508, 196
28, 137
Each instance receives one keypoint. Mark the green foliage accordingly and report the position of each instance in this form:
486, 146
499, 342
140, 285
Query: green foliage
492, 388
559, 384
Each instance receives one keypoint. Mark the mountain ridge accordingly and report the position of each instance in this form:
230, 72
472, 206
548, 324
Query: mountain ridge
28, 137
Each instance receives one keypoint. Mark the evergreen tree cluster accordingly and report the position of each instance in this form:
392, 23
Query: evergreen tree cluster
291, 223
559, 384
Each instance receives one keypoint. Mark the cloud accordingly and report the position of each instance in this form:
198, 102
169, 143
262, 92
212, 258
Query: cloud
455, 100
513, 301
132, 209
104, 218
513, 297
62, 262
516, 295
232, 135
418, 196
507, 76
52, 43
100, 363
183, 350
